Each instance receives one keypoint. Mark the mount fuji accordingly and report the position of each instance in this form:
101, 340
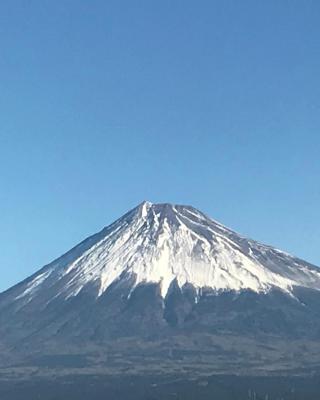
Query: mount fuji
164, 288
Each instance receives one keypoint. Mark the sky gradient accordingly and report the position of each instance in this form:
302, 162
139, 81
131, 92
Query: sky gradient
104, 104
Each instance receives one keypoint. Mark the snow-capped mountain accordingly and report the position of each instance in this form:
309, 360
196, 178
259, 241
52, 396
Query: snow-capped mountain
169, 274
162, 243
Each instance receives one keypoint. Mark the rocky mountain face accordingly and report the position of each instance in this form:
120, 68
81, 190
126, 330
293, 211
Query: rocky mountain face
167, 287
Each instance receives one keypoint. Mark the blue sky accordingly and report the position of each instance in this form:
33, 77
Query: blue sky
106, 103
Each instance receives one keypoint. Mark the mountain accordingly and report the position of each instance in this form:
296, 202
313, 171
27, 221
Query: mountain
164, 288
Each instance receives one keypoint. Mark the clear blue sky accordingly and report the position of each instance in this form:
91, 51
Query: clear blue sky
106, 103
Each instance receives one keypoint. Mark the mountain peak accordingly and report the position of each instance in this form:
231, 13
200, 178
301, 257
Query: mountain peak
167, 211
161, 213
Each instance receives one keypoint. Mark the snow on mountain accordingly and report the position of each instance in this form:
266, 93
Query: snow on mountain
160, 243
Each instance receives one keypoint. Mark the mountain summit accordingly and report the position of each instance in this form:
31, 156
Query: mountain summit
163, 243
